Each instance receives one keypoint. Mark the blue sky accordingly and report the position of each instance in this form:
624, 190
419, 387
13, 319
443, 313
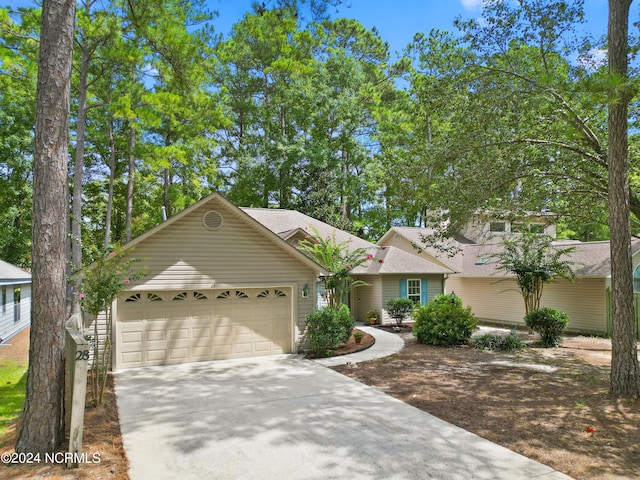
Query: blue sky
398, 20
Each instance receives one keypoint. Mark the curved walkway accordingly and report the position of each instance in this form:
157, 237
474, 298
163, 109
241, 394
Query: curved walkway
386, 344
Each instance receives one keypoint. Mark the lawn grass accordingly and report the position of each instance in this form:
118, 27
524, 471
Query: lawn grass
13, 386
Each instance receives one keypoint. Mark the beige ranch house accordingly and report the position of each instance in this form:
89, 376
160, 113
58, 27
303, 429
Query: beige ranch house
494, 296
225, 282
219, 285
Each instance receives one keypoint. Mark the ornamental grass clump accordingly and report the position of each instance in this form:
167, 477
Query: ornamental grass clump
502, 343
444, 321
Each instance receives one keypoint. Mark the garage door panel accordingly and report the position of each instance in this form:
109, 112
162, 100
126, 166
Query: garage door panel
201, 352
243, 347
192, 326
134, 358
155, 335
221, 351
155, 355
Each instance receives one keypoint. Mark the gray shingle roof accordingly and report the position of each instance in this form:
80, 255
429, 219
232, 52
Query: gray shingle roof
394, 261
591, 259
10, 274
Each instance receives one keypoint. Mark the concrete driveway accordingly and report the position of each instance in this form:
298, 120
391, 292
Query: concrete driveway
282, 417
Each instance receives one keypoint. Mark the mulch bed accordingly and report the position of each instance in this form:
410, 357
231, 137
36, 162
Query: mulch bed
350, 347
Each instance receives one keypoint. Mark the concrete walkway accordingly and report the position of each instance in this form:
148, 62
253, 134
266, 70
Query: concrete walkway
387, 343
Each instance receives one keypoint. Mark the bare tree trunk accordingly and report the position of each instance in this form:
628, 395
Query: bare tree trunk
76, 208
43, 415
130, 178
112, 179
625, 375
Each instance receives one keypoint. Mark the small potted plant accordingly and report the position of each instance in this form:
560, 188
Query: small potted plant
373, 316
357, 336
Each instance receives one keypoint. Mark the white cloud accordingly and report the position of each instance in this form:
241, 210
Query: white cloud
472, 4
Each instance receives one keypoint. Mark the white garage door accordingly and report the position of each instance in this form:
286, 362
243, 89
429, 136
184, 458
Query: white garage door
156, 328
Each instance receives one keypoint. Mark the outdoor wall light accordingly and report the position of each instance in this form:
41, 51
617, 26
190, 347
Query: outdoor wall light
305, 291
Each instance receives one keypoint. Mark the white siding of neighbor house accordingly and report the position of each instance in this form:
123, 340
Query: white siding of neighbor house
187, 256
8, 324
500, 301
391, 289
365, 299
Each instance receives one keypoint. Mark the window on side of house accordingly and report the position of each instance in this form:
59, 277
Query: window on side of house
414, 290
16, 305
4, 299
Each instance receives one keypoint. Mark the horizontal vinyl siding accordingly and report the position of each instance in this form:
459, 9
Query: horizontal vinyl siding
186, 255
391, 289
366, 299
501, 301
8, 326
584, 301
491, 299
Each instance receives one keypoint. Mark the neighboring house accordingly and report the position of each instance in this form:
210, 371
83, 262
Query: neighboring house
391, 273
493, 295
219, 285
15, 310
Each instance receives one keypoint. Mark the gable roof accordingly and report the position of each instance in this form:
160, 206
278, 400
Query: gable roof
11, 275
288, 223
392, 260
414, 236
251, 223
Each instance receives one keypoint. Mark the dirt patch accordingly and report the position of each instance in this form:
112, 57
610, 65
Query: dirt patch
551, 405
16, 349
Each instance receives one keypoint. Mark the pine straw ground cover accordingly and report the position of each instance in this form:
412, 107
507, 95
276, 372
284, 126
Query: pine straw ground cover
551, 405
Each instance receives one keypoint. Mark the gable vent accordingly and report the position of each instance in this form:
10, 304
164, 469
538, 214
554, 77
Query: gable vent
212, 220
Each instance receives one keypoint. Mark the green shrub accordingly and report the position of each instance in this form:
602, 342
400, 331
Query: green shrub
444, 321
399, 309
505, 343
328, 328
347, 322
549, 323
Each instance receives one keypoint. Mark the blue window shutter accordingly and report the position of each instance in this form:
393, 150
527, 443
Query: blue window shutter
424, 292
403, 288
319, 296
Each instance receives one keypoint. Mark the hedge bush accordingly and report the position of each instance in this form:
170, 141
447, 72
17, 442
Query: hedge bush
504, 343
444, 321
549, 323
328, 328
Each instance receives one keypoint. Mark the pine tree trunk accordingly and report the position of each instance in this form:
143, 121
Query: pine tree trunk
624, 358
112, 181
78, 170
130, 180
43, 415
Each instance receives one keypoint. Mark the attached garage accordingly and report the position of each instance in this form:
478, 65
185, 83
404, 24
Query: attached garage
227, 289
158, 328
